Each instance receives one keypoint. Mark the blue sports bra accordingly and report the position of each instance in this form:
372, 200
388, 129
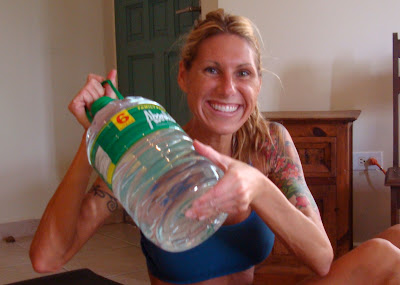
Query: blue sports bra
233, 248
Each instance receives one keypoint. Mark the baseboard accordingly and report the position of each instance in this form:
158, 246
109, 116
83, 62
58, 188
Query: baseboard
19, 229
28, 227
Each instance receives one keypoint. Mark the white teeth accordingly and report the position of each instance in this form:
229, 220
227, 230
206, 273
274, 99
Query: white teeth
225, 108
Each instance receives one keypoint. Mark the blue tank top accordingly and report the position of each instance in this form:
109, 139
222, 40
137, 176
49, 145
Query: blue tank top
233, 248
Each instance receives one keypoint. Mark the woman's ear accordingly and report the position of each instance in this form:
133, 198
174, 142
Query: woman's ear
182, 73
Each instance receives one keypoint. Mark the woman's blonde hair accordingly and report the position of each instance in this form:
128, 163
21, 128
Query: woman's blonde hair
250, 138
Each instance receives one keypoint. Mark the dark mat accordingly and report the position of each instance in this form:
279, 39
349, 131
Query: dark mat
75, 277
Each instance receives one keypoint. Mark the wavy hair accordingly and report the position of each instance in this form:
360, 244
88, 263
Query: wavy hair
248, 141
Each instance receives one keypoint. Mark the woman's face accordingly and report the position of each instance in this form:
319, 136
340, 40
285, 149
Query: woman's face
222, 84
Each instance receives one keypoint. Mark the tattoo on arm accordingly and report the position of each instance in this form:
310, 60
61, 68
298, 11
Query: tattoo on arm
112, 203
289, 177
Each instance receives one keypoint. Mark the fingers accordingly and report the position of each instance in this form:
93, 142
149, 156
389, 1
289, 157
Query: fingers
106, 90
234, 192
207, 209
84, 99
229, 195
222, 161
77, 108
95, 77
112, 76
216, 200
90, 92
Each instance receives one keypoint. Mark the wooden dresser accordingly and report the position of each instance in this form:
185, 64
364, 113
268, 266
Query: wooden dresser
324, 142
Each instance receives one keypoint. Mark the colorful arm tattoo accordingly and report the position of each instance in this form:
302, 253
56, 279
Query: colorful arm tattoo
287, 174
112, 203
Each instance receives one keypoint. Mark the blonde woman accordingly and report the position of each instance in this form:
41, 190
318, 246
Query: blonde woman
263, 189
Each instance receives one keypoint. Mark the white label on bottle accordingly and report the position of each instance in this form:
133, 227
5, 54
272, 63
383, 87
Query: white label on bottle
157, 118
102, 162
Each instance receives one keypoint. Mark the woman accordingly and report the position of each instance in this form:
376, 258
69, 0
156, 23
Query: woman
263, 189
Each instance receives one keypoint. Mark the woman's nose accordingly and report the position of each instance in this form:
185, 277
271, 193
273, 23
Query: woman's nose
227, 85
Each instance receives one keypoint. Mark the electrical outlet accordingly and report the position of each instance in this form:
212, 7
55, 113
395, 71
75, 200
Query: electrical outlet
360, 160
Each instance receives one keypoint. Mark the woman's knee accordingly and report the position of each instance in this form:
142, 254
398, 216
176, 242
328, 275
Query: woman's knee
392, 234
394, 230
377, 261
381, 252
378, 244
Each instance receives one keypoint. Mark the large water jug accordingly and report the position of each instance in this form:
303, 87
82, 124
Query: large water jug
150, 164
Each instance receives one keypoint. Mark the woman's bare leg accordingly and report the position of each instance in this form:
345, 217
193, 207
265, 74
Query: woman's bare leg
376, 261
392, 234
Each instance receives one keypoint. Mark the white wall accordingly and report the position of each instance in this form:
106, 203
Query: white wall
334, 55
329, 55
46, 50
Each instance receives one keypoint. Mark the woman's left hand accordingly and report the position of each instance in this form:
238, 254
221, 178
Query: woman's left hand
234, 193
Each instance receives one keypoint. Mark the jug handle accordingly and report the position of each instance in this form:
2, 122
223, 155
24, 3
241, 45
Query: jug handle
119, 95
113, 88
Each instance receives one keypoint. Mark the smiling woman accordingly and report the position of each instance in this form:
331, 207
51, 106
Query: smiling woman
222, 83
263, 190
220, 71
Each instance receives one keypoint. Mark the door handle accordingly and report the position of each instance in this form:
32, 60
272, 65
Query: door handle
187, 10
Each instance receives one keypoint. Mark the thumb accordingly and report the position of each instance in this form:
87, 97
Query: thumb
222, 161
112, 76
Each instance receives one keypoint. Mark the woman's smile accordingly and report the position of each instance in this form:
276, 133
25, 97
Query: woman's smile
224, 108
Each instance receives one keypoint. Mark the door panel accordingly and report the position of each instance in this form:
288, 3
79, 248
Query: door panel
134, 22
147, 35
141, 75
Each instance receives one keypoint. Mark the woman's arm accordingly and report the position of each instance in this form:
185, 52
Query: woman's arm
301, 219
244, 186
71, 217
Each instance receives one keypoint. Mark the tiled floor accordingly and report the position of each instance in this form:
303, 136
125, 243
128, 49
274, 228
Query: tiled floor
113, 252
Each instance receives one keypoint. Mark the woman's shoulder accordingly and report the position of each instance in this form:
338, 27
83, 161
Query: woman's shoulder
274, 144
276, 134
276, 129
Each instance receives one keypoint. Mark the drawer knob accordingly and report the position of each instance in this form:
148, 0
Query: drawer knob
318, 132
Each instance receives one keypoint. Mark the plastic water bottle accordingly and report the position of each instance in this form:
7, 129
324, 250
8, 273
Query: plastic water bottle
151, 166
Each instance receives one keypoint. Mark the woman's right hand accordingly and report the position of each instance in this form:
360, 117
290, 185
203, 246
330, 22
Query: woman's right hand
90, 93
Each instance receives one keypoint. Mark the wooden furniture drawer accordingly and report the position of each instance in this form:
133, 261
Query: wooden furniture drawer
310, 129
317, 155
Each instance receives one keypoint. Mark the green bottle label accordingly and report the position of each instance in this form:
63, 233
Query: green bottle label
122, 131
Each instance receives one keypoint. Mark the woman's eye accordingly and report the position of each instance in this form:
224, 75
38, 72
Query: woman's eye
243, 73
211, 70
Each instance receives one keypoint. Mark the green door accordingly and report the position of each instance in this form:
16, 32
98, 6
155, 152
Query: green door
147, 33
